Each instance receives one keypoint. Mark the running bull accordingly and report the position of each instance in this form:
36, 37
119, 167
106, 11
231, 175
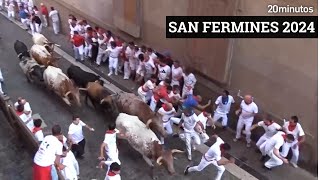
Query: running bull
43, 56
97, 94
145, 141
29, 66
81, 77
131, 104
41, 40
57, 81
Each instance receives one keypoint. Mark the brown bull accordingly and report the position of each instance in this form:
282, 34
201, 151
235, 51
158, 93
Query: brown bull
43, 56
129, 103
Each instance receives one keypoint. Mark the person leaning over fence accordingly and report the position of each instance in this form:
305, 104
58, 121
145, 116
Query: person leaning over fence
37, 130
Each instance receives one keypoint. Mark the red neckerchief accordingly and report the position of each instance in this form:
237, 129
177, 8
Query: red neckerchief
36, 129
110, 132
205, 114
165, 107
221, 149
284, 136
111, 173
19, 113
291, 127
269, 124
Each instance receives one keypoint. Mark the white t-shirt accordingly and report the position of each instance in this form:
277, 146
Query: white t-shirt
75, 131
129, 53
175, 73
164, 72
203, 119
54, 16
110, 138
149, 85
190, 122
26, 107
276, 141
39, 136
46, 154
270, 130
70, 171
189, 80
149, 65
115, 177
114, 53
298, 131
109, 42
153, 56
248, 110
224, 108
173, 95
214, 152
166, 115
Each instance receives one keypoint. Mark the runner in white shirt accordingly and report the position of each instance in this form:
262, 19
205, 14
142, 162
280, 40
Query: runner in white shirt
109, 146
75, 134
167, 111
37, 130
205, 120
137, 52
114, 172
149, 66
129, 66
270, 128
222, 105
48, 154
176, 73
71, 170
26, 106
272, 149
114, 52
141, 69
54, 15
163, 71
145, 91
189, 82
26, 119
248, 109
213, 156
293, 127
189, 121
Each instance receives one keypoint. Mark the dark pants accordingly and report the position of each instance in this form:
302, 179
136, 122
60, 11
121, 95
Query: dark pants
78, 149
94, 52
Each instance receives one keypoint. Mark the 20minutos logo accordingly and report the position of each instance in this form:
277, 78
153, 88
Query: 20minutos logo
242, 27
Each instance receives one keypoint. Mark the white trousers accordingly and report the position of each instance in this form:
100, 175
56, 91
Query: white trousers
87, 50
102, 56
204, 163
79, 52
143, 95
56, 27
175, 120
38, 27
11, 14
261, 142
126, 70
133, 64
273, 161
189, 137
1, 91
113, 64
224, 117
186, 91
45, 21
153, 104
295, 152
168, 128
243, 122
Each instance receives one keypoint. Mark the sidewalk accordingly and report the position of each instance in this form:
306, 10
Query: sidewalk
246, 158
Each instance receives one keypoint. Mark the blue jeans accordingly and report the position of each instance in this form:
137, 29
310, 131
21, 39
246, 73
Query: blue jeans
54, 174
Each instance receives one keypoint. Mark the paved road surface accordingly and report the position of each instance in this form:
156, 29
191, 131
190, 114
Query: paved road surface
54, 111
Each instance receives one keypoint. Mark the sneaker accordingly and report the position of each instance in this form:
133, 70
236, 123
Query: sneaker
189, 157
265, 167
110, 73
294, 164
248, 145
125, 78
235, 139
186, 171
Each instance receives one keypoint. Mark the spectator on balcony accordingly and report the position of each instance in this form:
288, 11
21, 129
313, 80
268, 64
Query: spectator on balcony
45, 14
78, 41
54, 15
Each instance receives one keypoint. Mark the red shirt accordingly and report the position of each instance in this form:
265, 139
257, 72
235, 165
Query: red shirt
161, 93
44, 10
78, 40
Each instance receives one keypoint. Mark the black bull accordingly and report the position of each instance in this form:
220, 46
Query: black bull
81, 77
29, 66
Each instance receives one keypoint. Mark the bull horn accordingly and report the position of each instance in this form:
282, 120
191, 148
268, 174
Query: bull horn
176, 151
67, 93
102, 100
82, 89
57, 45
159, 160
148, 123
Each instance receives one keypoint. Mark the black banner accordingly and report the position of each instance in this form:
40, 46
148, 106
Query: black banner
242, 27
